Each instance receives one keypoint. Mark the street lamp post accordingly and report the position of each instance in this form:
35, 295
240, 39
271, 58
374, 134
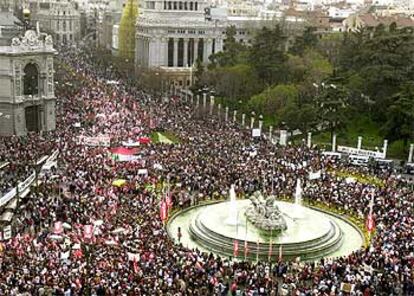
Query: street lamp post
260, 122
211, 104
252, 120
204, 99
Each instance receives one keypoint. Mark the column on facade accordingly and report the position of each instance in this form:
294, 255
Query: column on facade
185, 56
164, 52
208, 43
175, 52
195, 49
219, 45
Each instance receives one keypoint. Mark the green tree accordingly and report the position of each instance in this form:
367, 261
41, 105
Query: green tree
233, 52
199, 75
267, 55
333, 106
382, 58
234, 82
127, 30
307, 40
275, 101
400, 116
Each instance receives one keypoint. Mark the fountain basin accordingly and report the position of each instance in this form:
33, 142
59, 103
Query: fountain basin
313, 236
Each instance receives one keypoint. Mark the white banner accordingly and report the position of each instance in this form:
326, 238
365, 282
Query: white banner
314, 176
362, 152
102, 141
121, 157
7, 232
283, 137
256, 132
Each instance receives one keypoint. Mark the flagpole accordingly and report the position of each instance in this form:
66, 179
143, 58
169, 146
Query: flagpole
270, 245
245, 242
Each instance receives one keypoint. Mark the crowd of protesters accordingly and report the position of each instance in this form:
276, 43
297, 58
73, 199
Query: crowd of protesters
128, 251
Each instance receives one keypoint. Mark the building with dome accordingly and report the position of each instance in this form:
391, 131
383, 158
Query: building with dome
27, 98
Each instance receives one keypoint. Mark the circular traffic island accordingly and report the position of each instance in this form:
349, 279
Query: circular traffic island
308, 233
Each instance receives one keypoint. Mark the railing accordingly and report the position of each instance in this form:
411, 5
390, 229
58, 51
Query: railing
22, 186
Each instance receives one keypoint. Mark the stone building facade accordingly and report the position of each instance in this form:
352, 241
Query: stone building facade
27, 99
172, 35
61, 18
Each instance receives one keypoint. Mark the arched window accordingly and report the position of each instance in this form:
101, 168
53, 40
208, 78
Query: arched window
31, 80
196, 6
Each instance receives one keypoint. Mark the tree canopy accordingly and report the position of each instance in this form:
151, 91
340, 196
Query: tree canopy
127, 30
289, 79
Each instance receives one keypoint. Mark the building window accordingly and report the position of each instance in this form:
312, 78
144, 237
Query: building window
196, 6
185, 6
31, 80
165, 5
191, 5
180, 5
175, 5
169, 5
64, 26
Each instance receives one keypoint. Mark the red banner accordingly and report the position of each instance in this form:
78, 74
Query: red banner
236, 248
88, 231
163, 211
370, 223
246, 249
168, 200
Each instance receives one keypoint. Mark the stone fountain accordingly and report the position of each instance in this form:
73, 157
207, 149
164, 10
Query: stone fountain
265, 214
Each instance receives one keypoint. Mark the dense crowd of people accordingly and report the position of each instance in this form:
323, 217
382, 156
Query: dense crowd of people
128, 251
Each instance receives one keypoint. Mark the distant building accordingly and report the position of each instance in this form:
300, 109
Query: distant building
172, 35
27, 99
368, 20
10, 26
60, 18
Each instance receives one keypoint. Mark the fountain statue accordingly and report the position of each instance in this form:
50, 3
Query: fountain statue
232, 208
264, 213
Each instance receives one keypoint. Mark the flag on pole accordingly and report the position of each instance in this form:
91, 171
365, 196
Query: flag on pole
168, 200
270, 246
235, 248
246, 249
270, 250
370, 223
136, 268
163, 211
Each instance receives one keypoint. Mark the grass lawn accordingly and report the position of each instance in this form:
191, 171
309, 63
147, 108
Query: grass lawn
164, 137
371, 138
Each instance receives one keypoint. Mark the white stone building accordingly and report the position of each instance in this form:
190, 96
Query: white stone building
27, 99
61, 18
172, 35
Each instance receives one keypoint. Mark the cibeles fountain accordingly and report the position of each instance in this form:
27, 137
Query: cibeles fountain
259, 221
